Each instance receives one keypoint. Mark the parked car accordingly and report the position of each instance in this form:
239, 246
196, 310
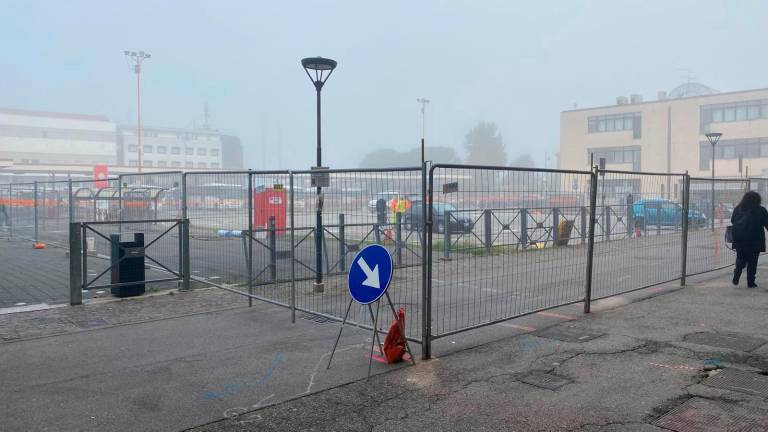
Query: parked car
458, 222
655, 212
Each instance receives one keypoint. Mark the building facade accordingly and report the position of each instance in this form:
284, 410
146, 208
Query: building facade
36, 137
46, 143
667, 135
177, 149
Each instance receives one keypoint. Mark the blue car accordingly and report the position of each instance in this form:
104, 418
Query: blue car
655, 212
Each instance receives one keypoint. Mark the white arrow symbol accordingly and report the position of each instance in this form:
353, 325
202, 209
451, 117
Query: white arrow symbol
371, 276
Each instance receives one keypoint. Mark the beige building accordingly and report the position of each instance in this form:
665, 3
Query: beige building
667, 135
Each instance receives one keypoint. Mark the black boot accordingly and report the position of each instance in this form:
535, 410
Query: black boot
736, 276
751, 285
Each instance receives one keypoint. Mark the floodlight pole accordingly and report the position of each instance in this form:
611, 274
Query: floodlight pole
136, 59
713, 138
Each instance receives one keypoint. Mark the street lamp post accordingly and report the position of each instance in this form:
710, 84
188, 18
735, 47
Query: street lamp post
713, 138
136, 59
423, 102
318, 70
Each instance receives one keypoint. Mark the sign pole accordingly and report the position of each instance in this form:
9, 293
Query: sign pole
374, 337
344, 321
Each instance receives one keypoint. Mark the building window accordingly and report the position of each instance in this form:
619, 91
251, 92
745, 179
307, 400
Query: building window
133, 162
148, 149
615, 123
732, 112
201, 165
132, 148
162, 149
748, 148
189, 151
148, 163
189, 164
202, 152
214, 152
175, 164
617, 155
162, 164
175, 150
214, 165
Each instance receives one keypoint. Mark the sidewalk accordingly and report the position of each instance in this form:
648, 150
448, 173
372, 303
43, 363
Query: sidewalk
636, 367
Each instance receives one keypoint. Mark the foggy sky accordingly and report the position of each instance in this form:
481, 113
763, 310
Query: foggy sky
511, 62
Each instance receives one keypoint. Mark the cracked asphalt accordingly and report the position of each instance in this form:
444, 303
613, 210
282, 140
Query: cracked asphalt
625, 380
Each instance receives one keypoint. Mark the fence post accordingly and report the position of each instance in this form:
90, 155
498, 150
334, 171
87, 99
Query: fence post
272, 249
250, 239
186, 260
35, 201
293, 251
607, 222
398, 238
377, 233
10, 210
75, 265
426, 299
524, 228
342, 244
70, 208
487, 221
684, 242
555, 223
591, 241
583, 229
447, 235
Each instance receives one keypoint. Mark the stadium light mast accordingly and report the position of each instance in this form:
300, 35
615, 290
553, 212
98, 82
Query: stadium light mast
318, 70
713, 138
135, 59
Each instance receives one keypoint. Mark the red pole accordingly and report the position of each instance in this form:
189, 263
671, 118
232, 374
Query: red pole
138, 111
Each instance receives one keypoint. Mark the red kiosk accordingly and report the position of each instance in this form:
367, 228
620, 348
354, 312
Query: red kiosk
268, 203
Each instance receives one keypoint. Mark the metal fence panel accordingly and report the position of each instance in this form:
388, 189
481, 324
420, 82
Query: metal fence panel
351, 220
506, 242
21, 210
638, 231
706, 246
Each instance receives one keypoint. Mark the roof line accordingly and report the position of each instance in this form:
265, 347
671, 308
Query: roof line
666, 100
73, 116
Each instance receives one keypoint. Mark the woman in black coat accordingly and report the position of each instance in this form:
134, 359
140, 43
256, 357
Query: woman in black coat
749, 219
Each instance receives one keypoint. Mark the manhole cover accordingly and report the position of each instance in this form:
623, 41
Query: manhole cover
740, 381
316, 318
731, 341
568, 334
545, 380
703, 415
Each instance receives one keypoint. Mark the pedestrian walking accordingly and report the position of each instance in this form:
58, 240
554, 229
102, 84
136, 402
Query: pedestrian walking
749, 220
630, 223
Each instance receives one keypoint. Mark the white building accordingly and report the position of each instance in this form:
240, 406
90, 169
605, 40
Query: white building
171, 148
36, 137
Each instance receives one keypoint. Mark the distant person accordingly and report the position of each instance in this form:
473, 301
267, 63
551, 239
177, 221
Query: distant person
749, 219
6, 219
630, 223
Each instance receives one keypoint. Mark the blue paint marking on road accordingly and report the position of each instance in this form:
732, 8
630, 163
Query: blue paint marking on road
370, 274
229, 389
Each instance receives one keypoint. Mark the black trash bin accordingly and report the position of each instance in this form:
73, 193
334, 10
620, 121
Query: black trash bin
131, 268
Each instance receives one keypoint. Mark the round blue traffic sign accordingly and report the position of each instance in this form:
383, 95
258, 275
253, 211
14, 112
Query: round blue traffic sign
370, 274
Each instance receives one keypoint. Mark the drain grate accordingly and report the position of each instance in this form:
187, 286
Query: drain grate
740, 381
568, 334
316, 318
545, 380
704, 415
732, 341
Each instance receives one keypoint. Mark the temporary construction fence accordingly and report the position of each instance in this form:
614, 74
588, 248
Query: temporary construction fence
472, 245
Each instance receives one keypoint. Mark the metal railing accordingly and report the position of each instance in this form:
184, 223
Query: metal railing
472, 245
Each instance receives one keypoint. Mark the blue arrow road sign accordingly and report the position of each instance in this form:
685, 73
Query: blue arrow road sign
370, 274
